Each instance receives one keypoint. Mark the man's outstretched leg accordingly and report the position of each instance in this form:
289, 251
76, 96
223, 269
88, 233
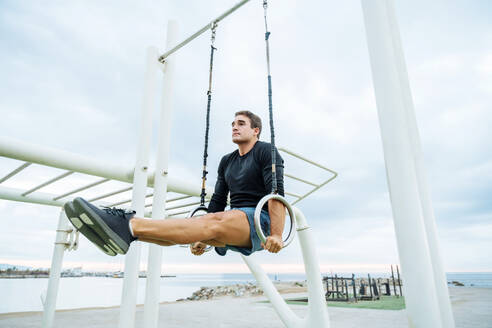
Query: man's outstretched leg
230, 227
113, 226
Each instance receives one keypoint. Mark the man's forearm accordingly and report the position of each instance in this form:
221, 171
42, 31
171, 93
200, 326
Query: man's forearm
277, 217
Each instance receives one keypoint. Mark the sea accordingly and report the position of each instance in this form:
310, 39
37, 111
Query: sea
24, 295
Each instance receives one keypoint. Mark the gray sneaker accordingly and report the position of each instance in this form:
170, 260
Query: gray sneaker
110, 224
84, 229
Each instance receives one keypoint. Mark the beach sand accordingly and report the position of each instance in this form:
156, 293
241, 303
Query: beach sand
472, 307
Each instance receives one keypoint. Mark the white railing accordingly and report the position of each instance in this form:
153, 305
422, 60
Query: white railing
315, 186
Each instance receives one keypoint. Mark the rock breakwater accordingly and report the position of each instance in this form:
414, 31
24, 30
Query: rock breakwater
242, 290
237, 290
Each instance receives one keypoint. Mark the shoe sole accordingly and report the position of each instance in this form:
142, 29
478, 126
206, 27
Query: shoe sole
97, 224
86, 231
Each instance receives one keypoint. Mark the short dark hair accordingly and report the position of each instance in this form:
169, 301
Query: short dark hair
253, 118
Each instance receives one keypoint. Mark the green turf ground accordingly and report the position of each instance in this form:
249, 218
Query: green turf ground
385, 303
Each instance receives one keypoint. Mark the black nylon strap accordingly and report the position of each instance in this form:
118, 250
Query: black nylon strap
270, 103
272, 136
207, 128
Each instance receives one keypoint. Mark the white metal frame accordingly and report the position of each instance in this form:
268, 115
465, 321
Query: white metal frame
427, 297
15, 149
163, 57
141, 177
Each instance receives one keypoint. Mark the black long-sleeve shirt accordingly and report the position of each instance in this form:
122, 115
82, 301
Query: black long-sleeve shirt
248, 178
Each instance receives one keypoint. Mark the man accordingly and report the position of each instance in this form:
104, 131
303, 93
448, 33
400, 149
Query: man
245, 173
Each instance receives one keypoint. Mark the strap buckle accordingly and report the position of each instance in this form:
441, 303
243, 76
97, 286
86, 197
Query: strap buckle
214, 30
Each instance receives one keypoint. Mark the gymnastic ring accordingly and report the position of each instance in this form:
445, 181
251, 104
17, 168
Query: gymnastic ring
194, 212
258, 209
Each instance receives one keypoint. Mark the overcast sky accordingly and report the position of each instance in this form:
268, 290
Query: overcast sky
72, 78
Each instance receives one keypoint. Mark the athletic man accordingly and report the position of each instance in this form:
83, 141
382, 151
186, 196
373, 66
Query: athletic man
245, 173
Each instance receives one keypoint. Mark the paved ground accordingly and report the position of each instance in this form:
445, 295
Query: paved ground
472, 308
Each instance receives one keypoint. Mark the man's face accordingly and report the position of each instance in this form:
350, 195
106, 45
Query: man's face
242, 131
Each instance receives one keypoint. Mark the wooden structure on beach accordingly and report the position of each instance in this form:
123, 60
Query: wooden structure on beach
342, 289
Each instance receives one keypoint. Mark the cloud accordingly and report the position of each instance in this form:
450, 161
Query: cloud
484, 69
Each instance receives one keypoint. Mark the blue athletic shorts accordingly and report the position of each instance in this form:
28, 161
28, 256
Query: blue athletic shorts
255, 241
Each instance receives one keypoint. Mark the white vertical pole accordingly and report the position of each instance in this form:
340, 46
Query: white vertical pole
420, 289
132, 258
56, 266
151, 309
318, 314
288, 317
425, 197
